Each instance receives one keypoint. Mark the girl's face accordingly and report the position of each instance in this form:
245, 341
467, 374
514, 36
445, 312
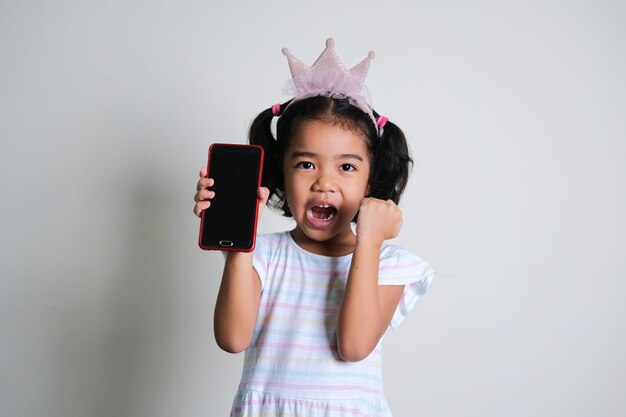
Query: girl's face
326, 170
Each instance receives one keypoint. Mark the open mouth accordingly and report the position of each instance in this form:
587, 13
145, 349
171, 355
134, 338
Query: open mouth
321, 212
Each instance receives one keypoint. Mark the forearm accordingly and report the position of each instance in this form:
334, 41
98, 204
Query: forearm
361, 321
237, 303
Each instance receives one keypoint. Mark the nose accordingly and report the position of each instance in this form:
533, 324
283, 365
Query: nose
325, 183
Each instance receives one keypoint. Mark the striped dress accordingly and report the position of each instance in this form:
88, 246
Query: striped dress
292, 368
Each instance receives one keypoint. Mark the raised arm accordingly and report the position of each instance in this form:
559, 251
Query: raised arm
367, 308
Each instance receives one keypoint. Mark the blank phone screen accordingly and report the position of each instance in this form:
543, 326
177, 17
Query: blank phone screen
229, 223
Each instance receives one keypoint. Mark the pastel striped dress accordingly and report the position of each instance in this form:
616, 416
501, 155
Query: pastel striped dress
292, 368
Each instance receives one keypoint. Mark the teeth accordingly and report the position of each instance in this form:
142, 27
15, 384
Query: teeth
322, 212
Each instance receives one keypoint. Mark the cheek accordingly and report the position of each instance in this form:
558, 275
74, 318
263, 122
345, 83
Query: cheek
291, 193
360, 192
366, 181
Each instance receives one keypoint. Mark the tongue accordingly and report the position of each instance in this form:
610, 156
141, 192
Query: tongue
321, 213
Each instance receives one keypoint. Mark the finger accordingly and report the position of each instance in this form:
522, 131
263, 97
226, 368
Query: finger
205, 183
200, 207
375, 202
263, 194
203, 195
203, 172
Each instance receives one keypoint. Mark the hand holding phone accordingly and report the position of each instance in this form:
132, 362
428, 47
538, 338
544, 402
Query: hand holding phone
204, 195
229, 197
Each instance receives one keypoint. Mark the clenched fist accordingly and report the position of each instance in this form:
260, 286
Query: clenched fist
379, 220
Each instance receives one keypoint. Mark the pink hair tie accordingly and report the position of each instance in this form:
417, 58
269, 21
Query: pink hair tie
382, 121
276, 109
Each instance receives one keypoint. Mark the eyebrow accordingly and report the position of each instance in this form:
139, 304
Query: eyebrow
305, 154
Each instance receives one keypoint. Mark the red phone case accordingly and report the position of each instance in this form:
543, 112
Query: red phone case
256, 211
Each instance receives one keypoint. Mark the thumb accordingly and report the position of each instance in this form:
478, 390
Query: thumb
263, 194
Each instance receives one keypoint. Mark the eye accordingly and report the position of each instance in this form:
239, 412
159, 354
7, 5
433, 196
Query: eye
347, 167
305, 165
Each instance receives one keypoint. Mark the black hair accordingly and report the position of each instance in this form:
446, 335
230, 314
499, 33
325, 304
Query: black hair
390, 162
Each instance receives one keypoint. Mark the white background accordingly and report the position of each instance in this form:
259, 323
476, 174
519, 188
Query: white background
515, 114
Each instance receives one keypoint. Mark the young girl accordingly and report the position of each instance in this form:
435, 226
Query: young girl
310, 307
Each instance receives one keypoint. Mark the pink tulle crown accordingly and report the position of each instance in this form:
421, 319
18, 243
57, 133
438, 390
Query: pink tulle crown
328, 77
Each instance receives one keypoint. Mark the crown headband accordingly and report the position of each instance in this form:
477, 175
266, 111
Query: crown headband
328, 77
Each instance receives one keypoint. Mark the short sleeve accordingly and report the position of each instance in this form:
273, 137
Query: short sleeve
260, 257
399, 266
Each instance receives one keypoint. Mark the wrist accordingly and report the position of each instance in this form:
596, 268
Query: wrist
238, 257
369, 240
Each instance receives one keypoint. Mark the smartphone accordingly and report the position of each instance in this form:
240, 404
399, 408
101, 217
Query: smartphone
230, 222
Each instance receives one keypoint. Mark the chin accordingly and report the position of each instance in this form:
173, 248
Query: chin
323, 234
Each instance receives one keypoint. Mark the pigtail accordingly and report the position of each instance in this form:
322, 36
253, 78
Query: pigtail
392, 164
261, 134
